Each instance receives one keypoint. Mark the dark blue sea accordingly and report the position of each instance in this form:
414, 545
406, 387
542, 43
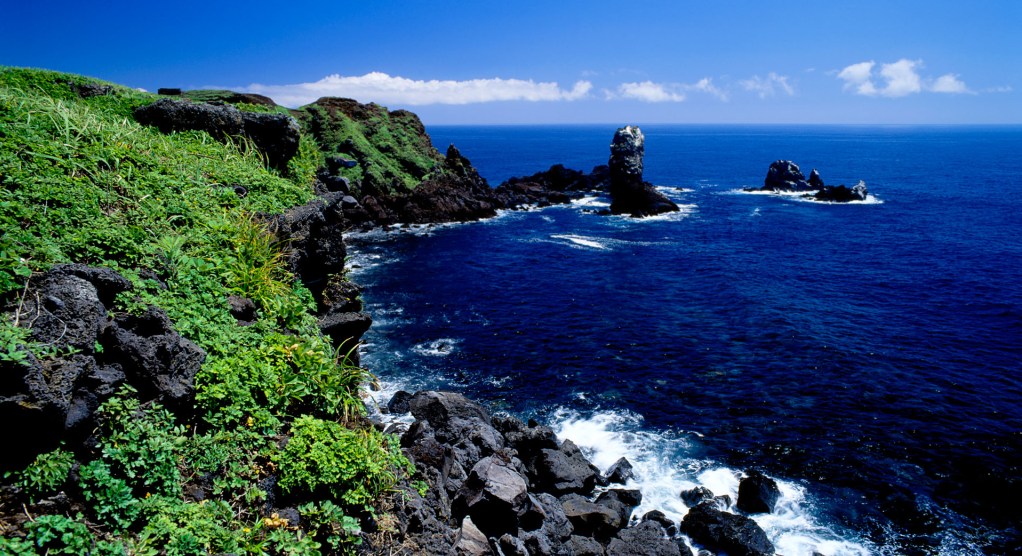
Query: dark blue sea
868, 356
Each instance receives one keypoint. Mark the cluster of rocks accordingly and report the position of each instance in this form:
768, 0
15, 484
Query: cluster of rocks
501, 486
68, 309
629, 194
785, 176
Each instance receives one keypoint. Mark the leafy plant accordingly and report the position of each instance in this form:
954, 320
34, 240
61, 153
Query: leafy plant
353, 466
46, 474
331, 525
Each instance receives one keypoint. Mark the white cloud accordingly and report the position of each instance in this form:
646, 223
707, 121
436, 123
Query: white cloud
948, 83
768, 86
647, 91
1001, 89
386, 89
705, 85
900, 79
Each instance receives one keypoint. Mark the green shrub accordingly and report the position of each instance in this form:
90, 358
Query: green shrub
46, 474
352, 466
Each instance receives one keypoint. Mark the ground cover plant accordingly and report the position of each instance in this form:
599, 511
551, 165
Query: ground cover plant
81, 181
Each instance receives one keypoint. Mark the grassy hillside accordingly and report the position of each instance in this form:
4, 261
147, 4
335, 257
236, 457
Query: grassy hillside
392, 148
80, 181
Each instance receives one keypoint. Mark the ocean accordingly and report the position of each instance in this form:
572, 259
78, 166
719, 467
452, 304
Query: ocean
867, 355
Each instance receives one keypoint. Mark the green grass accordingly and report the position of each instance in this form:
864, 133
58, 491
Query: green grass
395, 142
81, 181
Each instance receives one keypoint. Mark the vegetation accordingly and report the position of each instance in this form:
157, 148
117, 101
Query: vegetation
395, 144
81, 181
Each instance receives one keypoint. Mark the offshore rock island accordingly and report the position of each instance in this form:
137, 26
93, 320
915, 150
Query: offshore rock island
179, 342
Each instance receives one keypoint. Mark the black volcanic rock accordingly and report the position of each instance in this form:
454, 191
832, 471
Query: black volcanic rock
842, 193
757, 493
815, 181
785, 175
628, 193
725, 532
276, 135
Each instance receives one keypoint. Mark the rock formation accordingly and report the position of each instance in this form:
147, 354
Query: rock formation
785, 176
276, 135
628, 193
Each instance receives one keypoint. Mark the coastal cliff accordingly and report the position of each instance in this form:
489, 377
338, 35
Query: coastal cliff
178, 343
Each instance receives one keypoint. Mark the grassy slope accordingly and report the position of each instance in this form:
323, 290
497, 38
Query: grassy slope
82, 182
392, 146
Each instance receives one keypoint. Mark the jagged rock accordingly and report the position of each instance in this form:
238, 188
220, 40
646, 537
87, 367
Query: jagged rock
158, 361
815, 181
628, 193
471, 541
620, 472
545, 527
495, 496
276, 135
563, 470
314, 231
169, 91
592, 519
335, 164
529, 440
243, 309
785, 175
345, 329
843, 194
657, 516
399, 402
722, 531
585, 546
508, 545
757, 493
554, 186
89, 90
695, 496
620, 501
460, 422
645, 539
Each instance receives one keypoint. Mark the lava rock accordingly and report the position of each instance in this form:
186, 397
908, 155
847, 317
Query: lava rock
494, 496
563, 470
645, 539
657, 516
471, 541
243, 309
620, 501
725, 532
620, 472
757, 493
276, 135
695, 496
785, 175
585, 546
591, 519
459, 422
843, 194
399, 402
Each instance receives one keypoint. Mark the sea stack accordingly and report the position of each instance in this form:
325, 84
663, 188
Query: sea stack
628, 193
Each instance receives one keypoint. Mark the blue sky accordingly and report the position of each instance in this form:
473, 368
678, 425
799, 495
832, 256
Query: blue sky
721, 61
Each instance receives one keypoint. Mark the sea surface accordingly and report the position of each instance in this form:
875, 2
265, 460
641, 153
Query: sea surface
868, 356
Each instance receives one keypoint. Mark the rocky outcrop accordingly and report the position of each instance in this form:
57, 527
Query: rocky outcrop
67, 310
722, 531
842, 193
757, 493
557, 185
275, 135
784, 176
628, 193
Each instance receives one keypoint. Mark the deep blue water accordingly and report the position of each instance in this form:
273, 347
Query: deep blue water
866, 355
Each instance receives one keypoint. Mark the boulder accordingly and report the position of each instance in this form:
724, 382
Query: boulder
158, 361
757, 493
545, 528
459, 422
842, 193
628, 193
563, 470
620, 472
721, 531
785, 175
314, 233
591, 519
695, 496
585, 546
470, 540
399, 402
656, 515
276, 135
621, 502
509, 545
494, 496
645, 539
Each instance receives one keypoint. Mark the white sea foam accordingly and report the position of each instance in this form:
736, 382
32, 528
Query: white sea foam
591, 202
803, 197
583, 241
436, 348
664, 466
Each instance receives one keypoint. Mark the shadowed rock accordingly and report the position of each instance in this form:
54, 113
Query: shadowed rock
757, 493
628, 193
725, 532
